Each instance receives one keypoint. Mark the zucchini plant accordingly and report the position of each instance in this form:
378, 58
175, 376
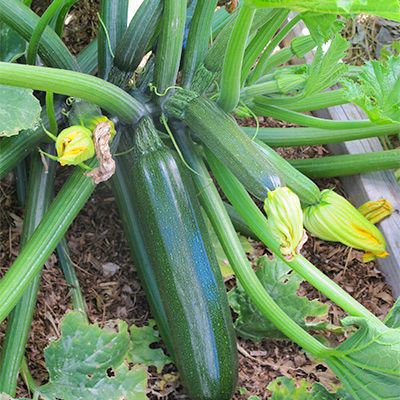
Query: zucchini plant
155, 100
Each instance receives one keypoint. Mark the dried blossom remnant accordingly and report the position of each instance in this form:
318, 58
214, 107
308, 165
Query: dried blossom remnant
230, 5
101, 137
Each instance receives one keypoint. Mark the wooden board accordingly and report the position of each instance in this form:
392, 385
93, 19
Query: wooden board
372, 186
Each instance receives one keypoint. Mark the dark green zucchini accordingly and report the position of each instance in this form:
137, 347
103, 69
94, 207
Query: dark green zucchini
177, 265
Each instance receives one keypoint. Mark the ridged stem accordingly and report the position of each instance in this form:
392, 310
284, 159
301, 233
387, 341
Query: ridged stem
262, 64
348, 164
307, 120
198, 39
39, 29
63, 210
86, 87
278, 137
261, 39
40, 191
170, 44
232, 65
113, 14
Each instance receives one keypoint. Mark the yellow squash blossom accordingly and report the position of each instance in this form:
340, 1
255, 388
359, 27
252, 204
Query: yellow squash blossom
74, 145
335, 219
285, 219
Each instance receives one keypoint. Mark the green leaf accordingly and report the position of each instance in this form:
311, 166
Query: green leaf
284, 388
368, 363
326, 68
140, 351
389, 9
322, 27
282, 284
377, 90
392, 320
19, 110
87, 363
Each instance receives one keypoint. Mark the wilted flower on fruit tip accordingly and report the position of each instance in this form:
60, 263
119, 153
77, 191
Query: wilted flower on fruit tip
94, 121
337, 220
376, 211
74, 145
285, 219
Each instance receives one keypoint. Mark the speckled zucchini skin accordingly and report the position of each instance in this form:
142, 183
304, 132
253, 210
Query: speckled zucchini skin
182, 262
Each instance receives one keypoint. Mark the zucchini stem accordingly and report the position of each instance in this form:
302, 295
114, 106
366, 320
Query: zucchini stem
86, 87
233, 60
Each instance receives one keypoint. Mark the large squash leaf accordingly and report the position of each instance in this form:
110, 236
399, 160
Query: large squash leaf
377, 90
88, 362
284, 388
392, 320
19, 110
368, 363
140, 351
387, 8
282, 284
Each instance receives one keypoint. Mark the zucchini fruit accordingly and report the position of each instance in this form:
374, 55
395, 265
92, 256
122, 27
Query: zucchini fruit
176, 264
256, 168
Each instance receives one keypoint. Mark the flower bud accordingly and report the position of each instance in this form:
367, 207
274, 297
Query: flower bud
74, 145
376, 211
285, 219
336, 220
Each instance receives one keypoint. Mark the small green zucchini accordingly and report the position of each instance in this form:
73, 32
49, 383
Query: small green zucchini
258, 168
177, 265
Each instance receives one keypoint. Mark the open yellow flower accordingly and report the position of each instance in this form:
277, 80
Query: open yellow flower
335, 219
74, 145
285, 219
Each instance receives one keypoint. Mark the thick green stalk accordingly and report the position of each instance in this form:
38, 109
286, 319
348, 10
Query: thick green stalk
40, 191
23, 20
198, 39
278, 137
39, 29
348, 164
233, 60
134, 44
113, 14
260, 40
86, 87
87, 58
170, 44
59, 25
66, 206
238, 222
299, 47
267, 110
262, 64
68, 270
257, 222
310, 103
285, 84
21, 179
223, 227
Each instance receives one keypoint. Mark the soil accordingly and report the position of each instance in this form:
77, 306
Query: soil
96, 238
